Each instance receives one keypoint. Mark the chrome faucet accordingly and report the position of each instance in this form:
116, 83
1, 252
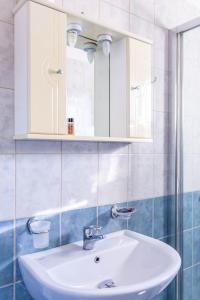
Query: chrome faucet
91, 235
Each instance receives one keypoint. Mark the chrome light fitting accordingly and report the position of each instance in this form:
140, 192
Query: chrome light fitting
90, 49
73, 30
105, 40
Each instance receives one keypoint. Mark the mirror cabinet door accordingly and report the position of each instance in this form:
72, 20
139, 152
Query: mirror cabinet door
140, 110
87, 89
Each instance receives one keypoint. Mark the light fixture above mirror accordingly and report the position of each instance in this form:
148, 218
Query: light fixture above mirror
105, 40
90, 49
73, 30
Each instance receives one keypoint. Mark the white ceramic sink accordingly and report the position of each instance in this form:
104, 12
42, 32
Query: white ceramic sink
140, 267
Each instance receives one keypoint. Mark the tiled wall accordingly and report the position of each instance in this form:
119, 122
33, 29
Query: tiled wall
54, 178
191, 246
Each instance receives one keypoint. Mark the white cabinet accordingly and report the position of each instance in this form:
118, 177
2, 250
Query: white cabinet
131, 89
112, 101
40, 91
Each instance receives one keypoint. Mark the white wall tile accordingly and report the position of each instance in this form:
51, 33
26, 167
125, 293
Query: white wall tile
143, 9
171, 14
160, 91
114, 16
160, 49
141, 27
141, 180
123, 4
188, 173
88, 8
196, 172
79, 180
6, 55
113, 179
7, 113
161, 132
38, 184
188, 134
142, 148
79, 147
113, 148
196, 135
7, 144
31, 147
56, 2
6, 7
161, 175
7, 187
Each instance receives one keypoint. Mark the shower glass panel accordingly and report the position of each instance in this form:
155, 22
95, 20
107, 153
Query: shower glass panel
190, 152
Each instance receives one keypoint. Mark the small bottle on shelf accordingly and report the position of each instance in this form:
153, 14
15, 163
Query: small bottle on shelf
70, 126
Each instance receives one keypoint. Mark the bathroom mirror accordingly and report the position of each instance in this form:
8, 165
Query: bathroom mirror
87, 88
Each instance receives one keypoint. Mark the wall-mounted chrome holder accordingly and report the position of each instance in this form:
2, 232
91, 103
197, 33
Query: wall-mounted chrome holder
39, 228
124, 213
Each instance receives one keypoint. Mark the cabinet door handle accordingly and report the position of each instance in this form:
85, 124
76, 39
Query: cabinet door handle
59, 71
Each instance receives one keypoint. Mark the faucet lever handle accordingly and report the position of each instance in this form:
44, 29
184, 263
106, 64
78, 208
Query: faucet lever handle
92, 230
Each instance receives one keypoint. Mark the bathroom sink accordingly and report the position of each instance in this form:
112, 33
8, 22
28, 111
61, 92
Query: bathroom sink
125, 265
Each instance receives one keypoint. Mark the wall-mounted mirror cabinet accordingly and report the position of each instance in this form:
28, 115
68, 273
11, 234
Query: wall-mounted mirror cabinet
76, 79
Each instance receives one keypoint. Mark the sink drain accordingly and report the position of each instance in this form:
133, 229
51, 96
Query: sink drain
97, 259
107, 284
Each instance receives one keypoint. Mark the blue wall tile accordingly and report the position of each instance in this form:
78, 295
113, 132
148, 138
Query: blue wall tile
73, 222
170, 240
6, 293
162, 296
171, 290
196, 209
107, 222
196, 281
196, 245
187, 210
163, 216
6, 252
187, 249
187, 284
24, 240
21, 292
142, 220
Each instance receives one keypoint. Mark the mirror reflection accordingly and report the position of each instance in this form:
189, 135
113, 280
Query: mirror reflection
87, 107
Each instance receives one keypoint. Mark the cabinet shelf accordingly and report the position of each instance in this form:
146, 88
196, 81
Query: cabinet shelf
78, 138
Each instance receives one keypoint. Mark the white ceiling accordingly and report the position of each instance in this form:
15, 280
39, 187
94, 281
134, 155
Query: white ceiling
173, 13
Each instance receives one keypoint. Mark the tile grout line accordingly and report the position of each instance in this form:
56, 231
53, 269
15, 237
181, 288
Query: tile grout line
98, 179
6, 285
127, 192
192, 239
14, 229
7, 88
61, 194
116, 6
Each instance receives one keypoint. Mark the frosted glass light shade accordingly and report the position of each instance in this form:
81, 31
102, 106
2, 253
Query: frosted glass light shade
90, 49
73, 30
106, 47
105, 40
72, 38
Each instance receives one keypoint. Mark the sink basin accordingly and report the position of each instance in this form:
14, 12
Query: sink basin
125, 265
